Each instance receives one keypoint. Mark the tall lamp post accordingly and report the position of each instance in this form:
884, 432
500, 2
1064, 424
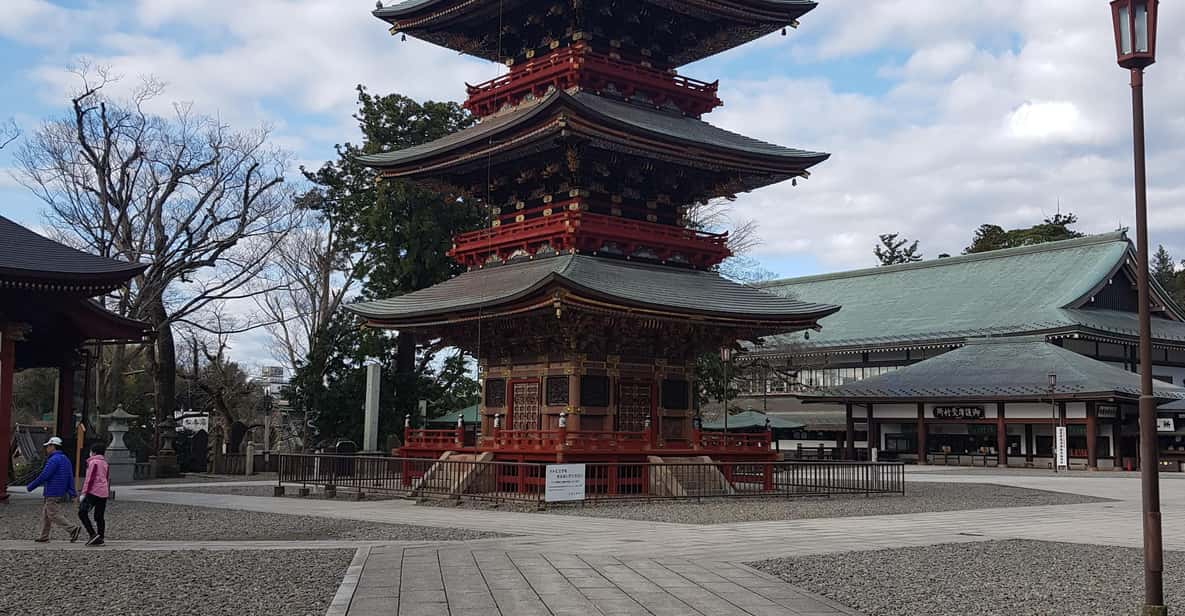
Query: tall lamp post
1135, 45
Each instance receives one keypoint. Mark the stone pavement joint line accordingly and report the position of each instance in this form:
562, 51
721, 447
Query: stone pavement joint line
460, 581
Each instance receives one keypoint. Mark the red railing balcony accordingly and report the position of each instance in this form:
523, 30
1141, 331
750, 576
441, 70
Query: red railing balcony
734, 441
434, 439
569, 230
579, 66
590, 441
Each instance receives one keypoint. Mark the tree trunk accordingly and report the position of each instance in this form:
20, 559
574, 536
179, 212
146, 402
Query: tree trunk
405, 375
164, 364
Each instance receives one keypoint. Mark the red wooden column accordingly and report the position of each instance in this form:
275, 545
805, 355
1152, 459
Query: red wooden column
849, 433
1001, 436
7, 359
1092, 436
65, 410
922, 434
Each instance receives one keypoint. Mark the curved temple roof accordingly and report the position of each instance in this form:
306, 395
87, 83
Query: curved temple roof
1003, 292
28, 258
449, 22
662, 126
1016, 367
663, 289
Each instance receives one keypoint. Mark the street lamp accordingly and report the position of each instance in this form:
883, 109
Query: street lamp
1135, 47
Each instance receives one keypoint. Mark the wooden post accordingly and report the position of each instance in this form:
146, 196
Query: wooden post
874, 436
922, 434
849, 433
7, 357
1092, 436
1001, 436
65, 407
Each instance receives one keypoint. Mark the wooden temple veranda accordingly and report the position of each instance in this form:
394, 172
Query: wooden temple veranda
591, 293
47, 315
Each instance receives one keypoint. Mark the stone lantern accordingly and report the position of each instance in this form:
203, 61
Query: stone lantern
121, 463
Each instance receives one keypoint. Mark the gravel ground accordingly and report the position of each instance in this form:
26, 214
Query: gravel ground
134, 520
290, 492
130, 583
919, 497
997, 578
202, 478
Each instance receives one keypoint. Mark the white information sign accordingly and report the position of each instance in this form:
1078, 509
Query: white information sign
1060, 448
565, 482
1165, 424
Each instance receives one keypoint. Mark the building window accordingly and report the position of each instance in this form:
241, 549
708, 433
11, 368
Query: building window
557, 390
495, 393
594, 390
903, 443
676, 394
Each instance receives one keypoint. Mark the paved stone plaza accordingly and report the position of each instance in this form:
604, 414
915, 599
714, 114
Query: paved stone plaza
556, 564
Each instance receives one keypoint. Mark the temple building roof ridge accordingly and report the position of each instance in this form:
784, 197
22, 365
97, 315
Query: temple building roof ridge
501, 30
1016, 367
661, 123
622, 283
1080, 286
32, 261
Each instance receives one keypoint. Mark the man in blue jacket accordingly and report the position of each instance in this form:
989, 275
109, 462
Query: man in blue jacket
58, 479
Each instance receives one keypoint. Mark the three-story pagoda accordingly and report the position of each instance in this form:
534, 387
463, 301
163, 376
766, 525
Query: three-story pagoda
589, 297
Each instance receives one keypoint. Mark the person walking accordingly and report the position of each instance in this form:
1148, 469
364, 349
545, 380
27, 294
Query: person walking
58, 478
95, 490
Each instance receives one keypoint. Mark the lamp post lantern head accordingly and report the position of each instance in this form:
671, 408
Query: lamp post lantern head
1052, 381
1135, 32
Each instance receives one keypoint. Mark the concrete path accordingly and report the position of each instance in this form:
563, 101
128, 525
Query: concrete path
567, 564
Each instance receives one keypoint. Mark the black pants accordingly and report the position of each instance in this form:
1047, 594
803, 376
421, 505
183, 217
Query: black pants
89, 502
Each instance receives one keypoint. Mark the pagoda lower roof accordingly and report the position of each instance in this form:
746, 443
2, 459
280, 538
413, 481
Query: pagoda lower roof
32, 262
461, 24
603, 283
681, 137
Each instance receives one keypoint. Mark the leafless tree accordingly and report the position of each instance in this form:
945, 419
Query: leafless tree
200, 203
317, 275
9, 132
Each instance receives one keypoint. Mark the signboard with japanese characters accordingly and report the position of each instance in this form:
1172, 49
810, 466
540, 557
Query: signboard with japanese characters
565, 482
959, 412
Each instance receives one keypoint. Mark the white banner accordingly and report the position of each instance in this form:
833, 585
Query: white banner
1060, 448
565, 482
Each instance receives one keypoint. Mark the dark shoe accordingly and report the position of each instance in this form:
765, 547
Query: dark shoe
96, 540
74, 534
42, 540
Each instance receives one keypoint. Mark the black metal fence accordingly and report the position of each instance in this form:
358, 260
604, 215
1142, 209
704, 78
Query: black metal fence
527, 481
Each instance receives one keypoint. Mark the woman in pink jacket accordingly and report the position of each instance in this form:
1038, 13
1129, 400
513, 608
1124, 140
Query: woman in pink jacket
95, 490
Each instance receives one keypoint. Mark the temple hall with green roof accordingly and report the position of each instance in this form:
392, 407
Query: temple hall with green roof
975, 359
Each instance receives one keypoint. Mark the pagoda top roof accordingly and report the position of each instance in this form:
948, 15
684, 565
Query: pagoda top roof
464, 25
637, 119
662, 290
30, 260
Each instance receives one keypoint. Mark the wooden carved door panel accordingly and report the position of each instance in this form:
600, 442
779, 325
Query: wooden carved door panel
524, 405
633, 406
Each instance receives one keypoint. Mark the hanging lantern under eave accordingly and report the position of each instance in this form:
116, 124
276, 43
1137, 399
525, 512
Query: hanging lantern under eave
1135, 32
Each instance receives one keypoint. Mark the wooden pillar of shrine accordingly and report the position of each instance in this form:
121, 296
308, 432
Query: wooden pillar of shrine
849, 433
874, 432
1001, 436
7, 361
1092, 436
64, 424
922, 434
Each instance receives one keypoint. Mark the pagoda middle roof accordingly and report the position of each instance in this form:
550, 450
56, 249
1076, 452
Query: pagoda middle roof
657, 124
443, 21
616, 283
29, 260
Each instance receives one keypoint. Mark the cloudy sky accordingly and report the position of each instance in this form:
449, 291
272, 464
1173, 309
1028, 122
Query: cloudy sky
941, 115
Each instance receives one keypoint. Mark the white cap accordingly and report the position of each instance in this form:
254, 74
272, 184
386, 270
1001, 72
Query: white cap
53, 440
